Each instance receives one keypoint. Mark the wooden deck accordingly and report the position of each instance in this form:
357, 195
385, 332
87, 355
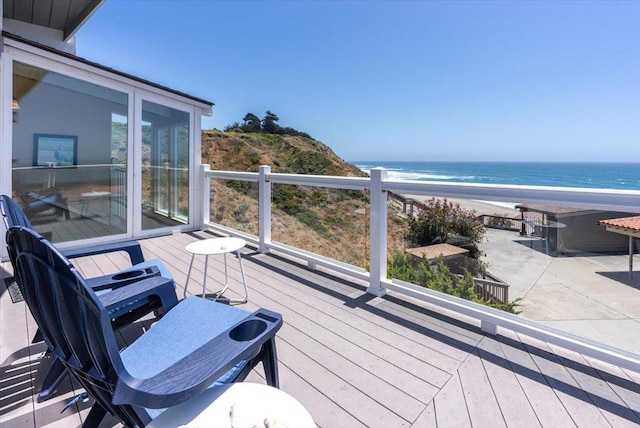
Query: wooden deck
355, 360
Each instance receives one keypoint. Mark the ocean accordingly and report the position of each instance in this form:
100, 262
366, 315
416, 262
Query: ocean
624, 176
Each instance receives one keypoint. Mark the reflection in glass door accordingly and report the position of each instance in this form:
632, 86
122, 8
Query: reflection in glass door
165, 166
69, 154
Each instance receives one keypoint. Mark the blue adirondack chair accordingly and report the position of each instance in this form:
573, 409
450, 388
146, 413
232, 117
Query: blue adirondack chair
125, 309
197, 345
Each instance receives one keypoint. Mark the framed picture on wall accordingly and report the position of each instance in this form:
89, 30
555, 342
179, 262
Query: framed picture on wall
55, 150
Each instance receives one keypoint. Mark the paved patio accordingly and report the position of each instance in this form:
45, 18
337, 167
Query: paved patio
355, 360
591, 295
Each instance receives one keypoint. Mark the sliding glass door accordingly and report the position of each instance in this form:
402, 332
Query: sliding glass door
165, 166
70, 152
97, 159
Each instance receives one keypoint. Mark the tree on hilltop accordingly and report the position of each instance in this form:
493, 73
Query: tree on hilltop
251, 123
269, 122
268, 125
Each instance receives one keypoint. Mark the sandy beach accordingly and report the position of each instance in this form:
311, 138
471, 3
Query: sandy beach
480, 207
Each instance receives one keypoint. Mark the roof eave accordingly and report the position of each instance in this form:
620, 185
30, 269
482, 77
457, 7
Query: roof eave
205, 105
79, 20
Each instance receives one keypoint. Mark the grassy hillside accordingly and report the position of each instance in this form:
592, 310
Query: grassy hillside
330, 222
240, 151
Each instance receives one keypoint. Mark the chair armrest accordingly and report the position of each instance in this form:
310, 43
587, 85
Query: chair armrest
199, 370
121, 279
131, 247
154, 286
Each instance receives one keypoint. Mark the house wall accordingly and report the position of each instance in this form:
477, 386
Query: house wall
583, 234
86, 109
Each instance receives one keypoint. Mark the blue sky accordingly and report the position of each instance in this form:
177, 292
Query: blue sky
376, 80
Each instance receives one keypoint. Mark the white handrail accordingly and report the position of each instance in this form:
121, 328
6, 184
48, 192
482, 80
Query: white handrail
232, 175
495, 317
604, 199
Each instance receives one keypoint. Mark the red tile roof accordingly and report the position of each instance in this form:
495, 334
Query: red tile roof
631, 223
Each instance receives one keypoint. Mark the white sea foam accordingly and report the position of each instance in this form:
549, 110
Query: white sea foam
406, 175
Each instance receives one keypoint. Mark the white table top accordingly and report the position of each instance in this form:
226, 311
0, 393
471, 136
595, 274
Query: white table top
237, 405
215, 246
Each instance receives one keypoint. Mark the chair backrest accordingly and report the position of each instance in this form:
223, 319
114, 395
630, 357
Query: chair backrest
74, 322
12, 214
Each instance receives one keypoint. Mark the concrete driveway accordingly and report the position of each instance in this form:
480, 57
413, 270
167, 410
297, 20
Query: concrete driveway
590, 295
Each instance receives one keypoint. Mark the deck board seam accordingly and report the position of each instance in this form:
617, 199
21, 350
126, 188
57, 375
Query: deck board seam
299, 313
594, 397
323, 394
320, 363
432, 326
486, 373
516, 378
527, 349
351, 313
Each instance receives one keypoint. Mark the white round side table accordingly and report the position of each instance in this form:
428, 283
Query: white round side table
208, 247
239, 404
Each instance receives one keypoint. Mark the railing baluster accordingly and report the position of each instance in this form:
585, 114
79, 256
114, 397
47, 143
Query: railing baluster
378, 233
206, 193
264, 205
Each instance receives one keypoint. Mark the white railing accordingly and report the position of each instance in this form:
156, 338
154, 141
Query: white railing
379, 185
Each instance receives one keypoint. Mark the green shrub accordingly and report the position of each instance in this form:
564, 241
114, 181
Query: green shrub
438, 277
241, 187
312, 220
441, 219
239, 213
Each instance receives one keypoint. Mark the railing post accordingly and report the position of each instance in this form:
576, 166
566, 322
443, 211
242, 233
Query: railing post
489, 327
378, 233
205, 194
264, 206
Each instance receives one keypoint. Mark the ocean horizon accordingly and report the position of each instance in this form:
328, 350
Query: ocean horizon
597, 175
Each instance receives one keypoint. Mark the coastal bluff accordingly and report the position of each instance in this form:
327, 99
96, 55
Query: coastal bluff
246, 151
329, 222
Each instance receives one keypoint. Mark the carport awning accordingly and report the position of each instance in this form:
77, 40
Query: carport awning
629, 226
626, 226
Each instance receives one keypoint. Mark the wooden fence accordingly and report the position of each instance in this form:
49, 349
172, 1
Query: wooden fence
492, 290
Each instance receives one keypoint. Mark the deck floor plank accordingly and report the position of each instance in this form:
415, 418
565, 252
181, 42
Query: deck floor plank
581, 387
546, 404
576, 401
513, 402
427, 418
411, 383
609, 405
464, 329
17, 370
383, 392
369, 333
341, 334
618, 380
363, 312
480, 398
326, 413
359, 405
450, 405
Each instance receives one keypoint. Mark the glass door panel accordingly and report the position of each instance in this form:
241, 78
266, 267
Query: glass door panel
165, 166
69, 154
